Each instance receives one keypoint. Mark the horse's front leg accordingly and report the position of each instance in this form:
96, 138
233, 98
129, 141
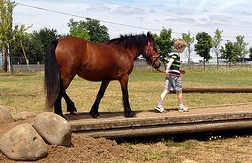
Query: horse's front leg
94, 110
124, 86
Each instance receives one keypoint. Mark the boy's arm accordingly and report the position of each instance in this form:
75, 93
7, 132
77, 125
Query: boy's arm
169, 65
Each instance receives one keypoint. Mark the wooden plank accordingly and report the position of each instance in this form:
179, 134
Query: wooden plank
152, 121
148, 123
169, 129
218, 90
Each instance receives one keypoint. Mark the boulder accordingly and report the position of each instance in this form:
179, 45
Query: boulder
54, 129
23, 143
5, 114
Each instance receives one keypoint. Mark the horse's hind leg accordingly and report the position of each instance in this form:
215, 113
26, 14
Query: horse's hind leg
66, 78
94, 110
57, 105
70, 104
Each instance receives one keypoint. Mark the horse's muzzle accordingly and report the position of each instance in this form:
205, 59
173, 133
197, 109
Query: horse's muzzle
157, 64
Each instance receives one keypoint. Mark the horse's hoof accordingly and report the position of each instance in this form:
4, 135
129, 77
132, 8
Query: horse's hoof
130, 115
95, 115
74, 113
61, 114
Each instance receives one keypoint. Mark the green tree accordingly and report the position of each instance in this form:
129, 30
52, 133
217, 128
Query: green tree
46, 35
20, 35
77, 29
189, 40
203, 46
6, 9
8, 36
216, 44
164, 43
241, 45
35, 45
90, 30
35, 50
229, 53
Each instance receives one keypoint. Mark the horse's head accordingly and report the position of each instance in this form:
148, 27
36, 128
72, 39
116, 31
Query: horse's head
151, 52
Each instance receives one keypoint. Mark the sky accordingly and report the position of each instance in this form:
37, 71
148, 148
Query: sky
234, 17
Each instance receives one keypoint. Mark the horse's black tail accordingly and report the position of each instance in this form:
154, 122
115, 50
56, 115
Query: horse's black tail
52, 75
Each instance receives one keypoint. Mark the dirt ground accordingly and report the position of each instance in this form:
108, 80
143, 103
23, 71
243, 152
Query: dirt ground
236, 148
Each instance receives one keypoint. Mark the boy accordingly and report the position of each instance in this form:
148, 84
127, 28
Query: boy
173, 78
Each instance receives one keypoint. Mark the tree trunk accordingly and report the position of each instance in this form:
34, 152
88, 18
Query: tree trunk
204, 64
4, 53
189, 61
217, 61
10, 55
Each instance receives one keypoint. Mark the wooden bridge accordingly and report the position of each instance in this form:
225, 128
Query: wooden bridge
150, 123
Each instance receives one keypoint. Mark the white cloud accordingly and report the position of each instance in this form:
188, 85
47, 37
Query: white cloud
125, 10
233, 17
99, 8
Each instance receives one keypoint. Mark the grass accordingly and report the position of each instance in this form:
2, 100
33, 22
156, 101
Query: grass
224, 77
24, 91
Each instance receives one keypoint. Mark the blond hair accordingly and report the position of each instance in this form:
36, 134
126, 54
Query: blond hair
179, 44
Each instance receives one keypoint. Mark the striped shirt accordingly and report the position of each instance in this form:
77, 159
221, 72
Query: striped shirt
174, 69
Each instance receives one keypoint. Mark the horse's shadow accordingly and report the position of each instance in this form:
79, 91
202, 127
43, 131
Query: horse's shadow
86, 115
111, 115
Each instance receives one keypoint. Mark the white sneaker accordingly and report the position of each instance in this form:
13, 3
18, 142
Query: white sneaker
160, 109
183, 109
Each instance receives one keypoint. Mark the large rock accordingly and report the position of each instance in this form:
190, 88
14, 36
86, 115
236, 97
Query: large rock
5, 114
53, 128
23, 143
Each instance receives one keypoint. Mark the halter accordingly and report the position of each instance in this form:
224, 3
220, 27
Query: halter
154, 57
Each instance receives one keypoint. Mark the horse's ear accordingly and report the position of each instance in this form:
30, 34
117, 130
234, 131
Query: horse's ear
149, 36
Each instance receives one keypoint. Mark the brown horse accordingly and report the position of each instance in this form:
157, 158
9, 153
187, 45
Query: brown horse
111, 60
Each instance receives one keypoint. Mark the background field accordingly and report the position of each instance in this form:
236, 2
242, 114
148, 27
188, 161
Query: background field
24, 91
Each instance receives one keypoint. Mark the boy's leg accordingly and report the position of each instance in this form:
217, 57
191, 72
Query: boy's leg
167, 87
181, 107
180, 99
163, 95
159, 106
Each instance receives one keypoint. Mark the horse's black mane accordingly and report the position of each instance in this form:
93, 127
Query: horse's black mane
130, 40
